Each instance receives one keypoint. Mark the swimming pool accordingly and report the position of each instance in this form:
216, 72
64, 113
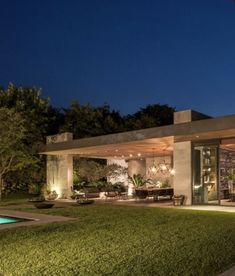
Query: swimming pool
7, 220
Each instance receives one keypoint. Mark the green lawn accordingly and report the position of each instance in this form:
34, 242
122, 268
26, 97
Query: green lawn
121, 240
13, 199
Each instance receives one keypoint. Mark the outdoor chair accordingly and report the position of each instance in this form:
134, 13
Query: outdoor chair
122, 193
110, 194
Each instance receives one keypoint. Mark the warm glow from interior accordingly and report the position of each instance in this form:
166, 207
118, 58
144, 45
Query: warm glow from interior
172, 172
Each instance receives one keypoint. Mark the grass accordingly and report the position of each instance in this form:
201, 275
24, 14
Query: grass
15, 199
122, 240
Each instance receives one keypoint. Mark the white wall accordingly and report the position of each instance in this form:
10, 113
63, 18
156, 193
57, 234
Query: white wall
159, 176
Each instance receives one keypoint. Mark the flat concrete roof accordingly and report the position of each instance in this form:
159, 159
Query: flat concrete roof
160, 137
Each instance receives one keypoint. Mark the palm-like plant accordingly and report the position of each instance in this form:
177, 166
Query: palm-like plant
138, 180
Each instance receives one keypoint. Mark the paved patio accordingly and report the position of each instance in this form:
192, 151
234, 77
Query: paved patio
169, 204
35, 219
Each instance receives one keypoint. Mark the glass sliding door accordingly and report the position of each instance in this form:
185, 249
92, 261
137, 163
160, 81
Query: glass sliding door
205, 174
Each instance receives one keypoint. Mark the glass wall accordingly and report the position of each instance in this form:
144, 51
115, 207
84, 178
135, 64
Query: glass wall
227, 176
205, 174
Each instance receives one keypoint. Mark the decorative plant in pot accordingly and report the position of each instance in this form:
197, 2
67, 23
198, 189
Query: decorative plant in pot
84, 201
52, 195
137, 180
38, 198
40, 201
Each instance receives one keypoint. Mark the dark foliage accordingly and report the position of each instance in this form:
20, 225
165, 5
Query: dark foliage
42, 119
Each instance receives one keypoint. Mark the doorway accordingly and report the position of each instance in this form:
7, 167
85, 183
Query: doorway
205, 174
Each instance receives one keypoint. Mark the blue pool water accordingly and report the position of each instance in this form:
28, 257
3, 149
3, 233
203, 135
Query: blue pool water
4, 220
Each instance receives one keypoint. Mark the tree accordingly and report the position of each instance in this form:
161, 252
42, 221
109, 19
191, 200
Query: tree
86, 121
41, 119
91, 170
150, 116
14, 155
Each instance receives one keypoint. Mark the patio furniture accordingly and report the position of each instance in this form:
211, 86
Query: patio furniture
79, 195
141, 193
123, 193
91, 192
163, 192
110, 194
85, 201
156, 193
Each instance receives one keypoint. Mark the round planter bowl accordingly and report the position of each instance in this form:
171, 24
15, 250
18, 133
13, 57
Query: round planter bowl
43, 205
85, 202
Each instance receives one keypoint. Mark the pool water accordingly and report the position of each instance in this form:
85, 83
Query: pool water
5, 220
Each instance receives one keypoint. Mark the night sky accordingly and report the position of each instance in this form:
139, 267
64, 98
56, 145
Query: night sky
125, 53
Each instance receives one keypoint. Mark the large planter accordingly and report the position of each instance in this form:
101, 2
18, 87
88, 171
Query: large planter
43, 205
84, 201
178, 200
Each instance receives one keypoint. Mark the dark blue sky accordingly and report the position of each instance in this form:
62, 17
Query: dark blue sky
127, 53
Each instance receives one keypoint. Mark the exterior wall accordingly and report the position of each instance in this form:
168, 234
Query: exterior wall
121, 178
60, 174
189, 115
182, 116
136, 166
60, 168
58, 138
159, 176
183, 170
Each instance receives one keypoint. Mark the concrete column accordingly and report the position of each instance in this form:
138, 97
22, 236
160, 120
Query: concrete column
60, 168
60, 174
183, 170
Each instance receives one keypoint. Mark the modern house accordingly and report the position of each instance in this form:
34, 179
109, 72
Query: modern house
196, 155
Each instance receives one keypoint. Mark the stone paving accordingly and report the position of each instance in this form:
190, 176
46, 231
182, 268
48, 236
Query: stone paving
34, 219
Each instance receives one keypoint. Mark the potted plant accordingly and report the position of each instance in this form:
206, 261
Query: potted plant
178, 200
137, 180
52, 195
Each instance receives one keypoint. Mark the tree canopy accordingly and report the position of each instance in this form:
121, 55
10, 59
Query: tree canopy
87, 121
14, 154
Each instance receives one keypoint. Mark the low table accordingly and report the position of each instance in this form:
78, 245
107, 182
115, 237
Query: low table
80, 195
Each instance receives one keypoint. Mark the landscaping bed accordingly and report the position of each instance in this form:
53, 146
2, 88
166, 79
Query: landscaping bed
122, 240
